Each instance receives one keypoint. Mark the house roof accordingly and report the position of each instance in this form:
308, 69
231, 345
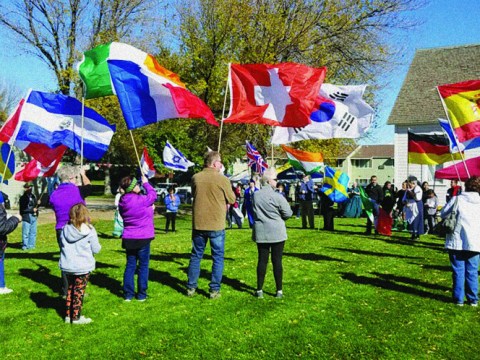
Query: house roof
374, 151
369, 152
418, 101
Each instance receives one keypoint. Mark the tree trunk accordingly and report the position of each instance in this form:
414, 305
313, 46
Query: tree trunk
108, 188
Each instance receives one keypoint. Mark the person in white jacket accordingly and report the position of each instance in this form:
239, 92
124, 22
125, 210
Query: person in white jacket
463, 244
78, 244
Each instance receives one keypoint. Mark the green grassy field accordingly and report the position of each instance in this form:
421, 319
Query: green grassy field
347, 295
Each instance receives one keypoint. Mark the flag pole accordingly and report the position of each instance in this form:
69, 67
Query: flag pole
450, 122
83, 125
455, 166
223, 111
136, 153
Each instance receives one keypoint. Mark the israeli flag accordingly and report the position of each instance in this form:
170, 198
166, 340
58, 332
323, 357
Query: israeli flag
174, 159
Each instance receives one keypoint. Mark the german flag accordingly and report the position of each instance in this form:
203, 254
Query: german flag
429, 149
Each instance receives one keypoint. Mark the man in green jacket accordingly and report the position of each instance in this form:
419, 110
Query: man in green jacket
211, 192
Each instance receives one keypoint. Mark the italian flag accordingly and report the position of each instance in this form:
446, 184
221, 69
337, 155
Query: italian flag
95, 73
308, 162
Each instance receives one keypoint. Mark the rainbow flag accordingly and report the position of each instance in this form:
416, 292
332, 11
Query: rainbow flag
462, 101
429, 149
146, 91
303, 160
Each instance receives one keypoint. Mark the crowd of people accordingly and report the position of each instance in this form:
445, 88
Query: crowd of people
266, 204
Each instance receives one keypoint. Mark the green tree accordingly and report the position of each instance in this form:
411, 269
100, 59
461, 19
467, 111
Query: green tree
350, 37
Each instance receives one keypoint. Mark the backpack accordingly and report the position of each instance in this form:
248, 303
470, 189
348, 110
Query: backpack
447, 226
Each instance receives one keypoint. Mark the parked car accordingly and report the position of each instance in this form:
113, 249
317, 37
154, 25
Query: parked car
185, 194
162, 189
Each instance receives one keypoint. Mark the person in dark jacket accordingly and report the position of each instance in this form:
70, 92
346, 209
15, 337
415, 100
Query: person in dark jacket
375, 193
328, 212
453, 191
29, 212
6, 227
137, 212
306, 196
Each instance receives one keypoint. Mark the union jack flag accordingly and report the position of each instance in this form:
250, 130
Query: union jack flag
255, 160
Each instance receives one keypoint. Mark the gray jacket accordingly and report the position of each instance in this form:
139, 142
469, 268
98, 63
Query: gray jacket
77, 248
270, 210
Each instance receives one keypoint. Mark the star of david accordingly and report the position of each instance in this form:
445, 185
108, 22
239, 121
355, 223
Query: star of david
176, 159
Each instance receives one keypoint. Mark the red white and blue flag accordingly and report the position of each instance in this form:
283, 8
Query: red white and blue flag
148, 168
255, 160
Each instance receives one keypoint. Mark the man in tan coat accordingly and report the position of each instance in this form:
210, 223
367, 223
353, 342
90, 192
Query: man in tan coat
211, 192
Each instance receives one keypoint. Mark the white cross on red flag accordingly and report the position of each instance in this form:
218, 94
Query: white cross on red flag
282, 94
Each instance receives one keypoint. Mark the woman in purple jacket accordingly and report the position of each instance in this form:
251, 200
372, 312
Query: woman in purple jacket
137, 213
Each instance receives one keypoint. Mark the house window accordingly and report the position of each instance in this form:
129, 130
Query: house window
340, 162
389, 162
362, 163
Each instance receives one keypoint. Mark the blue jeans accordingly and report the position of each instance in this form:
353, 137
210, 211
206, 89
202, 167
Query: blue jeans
464, 275
141, 255
217, 244
2, 269
29, 232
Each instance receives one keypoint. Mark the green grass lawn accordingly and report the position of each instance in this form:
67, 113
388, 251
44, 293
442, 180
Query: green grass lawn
347, 295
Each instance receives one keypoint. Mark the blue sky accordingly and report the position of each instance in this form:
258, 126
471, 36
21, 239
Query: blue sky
445, 23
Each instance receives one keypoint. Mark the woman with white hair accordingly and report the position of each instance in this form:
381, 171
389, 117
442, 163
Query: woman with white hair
270, 210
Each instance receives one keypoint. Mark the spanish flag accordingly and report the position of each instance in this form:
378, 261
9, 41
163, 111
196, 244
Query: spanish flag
462, 101
429, 149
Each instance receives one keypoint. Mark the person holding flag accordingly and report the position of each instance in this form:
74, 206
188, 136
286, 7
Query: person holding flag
306, 196
375, 194
137, 212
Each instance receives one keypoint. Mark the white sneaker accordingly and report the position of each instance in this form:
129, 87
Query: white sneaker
5, 290
81, 320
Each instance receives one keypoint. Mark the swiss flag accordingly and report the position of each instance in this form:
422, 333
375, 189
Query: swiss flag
280, 95
40, 152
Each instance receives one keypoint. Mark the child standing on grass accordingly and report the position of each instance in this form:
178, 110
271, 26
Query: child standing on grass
6, 227
78, 244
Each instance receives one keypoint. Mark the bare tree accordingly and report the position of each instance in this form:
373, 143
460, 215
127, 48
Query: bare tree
57, 31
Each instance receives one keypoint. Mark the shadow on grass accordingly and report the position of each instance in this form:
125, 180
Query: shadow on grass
372, 253
313, 257
165, 278
389, 282
171, 257
42, 275
415, 243
104, 281
407, 280
228, 281
52, 256
44, 301
108, 236
436, 267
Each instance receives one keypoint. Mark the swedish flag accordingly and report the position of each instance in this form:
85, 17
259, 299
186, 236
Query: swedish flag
335, 184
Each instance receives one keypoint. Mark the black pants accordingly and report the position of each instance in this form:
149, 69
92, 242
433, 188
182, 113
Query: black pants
263, 253
171, 216
307, 211
64, 275
328, 216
